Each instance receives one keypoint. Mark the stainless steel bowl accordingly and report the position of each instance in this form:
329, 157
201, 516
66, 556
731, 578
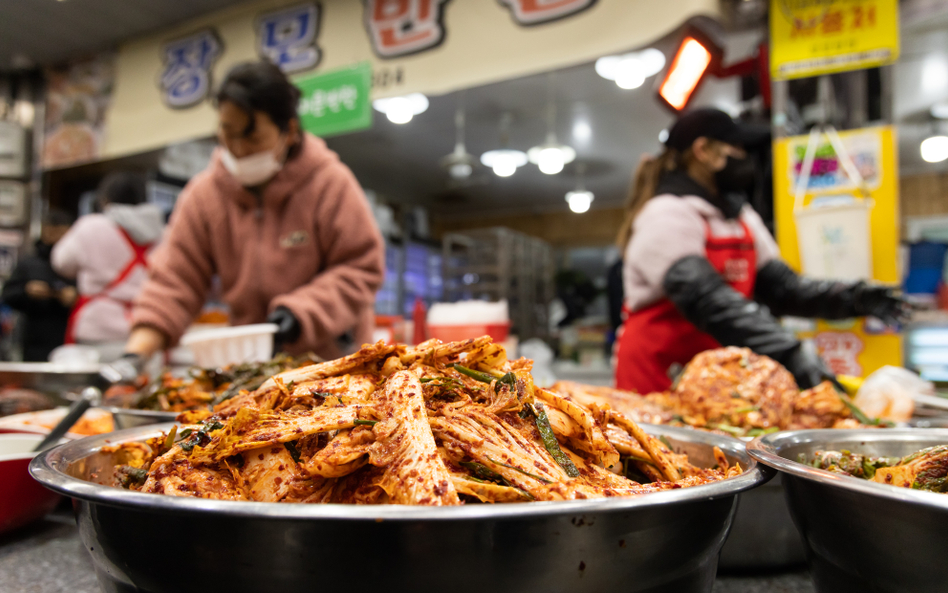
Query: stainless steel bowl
763, 535
862, 536
666, 541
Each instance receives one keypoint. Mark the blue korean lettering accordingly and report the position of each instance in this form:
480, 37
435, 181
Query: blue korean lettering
186, 78
288, 37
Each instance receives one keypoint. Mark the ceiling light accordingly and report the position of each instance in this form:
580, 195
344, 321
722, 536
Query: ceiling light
629, 71
579, 200
460, 170
504, 161
935, 149
400, 110
687, 69
582, 132
460, 164
551, 157
940, 110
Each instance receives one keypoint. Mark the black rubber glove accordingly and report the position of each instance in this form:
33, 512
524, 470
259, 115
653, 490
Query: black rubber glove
786, 293
706, 300
288, 326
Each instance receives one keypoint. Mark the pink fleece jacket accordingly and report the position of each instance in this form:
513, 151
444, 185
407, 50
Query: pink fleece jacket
308, 243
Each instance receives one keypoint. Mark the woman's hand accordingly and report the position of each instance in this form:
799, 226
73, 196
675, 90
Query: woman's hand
38, 289
68, 296
145, 341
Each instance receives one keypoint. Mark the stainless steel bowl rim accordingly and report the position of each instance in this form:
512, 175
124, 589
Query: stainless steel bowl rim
766, 449
44, 468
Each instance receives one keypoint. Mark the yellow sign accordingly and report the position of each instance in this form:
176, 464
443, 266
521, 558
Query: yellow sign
813, 37
853, 346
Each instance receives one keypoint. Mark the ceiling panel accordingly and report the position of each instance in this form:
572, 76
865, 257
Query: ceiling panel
51, 31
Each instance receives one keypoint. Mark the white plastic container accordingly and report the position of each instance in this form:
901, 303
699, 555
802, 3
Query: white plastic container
213, 348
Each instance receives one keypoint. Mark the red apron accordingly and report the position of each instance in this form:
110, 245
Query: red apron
654, 338
138, 259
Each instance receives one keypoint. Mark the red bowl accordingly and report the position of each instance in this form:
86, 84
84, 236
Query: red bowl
455, 333
22, 499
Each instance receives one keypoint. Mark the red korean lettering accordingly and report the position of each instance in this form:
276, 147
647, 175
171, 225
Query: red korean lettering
402, 27
864, 17
534, 12
832, 22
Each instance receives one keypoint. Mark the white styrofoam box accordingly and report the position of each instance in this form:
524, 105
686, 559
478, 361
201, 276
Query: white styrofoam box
213, 348
469, 313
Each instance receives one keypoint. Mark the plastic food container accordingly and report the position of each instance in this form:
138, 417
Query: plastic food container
214, 348
456, 333
22, 499
465, 320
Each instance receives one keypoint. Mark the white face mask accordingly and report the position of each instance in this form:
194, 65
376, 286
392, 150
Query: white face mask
254, 169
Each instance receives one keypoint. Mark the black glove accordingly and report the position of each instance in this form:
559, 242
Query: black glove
706, 300
123, 371
809, 369
786, 293
288, 326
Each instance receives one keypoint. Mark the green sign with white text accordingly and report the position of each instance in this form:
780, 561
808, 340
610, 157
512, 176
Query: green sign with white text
336, 102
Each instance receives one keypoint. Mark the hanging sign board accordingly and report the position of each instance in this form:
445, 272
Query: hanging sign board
810, 38
413, 46
337, 101
848, 230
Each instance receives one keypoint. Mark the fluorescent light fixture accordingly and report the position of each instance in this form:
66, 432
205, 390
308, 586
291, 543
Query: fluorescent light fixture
629, 71
579, 200
504, 161
401, 110
687, 69
935, 149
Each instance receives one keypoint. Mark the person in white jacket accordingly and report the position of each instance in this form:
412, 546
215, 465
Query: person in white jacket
108, 256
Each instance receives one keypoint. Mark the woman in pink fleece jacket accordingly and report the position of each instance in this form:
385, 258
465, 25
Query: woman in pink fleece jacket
279, 219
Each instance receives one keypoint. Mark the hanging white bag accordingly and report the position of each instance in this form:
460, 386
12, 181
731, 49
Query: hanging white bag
833, 233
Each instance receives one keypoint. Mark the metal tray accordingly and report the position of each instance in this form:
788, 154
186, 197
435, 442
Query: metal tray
131, 418
862, 536
666, 541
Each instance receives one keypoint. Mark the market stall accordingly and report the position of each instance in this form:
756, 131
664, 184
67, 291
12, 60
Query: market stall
476, 437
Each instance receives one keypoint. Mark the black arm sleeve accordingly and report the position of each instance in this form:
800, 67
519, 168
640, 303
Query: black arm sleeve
703, 297
786, 293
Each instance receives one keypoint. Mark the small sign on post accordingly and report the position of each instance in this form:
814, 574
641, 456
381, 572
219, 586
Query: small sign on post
810, 38
336, 102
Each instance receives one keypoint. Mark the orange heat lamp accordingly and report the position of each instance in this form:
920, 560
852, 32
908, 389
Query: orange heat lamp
685, 74
697, 58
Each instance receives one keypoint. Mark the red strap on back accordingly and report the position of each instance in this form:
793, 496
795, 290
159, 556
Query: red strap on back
139, 253
138, 259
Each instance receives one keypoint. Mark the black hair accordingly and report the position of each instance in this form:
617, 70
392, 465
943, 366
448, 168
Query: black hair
57, 217
122, 187
260, 86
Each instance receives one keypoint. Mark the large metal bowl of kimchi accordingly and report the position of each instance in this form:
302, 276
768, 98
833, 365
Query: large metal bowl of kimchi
862, 535
661, 541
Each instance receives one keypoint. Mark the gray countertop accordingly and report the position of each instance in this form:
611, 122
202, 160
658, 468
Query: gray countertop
47, 557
